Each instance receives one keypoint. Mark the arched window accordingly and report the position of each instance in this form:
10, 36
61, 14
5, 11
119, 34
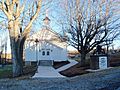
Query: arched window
48, 53
43, 53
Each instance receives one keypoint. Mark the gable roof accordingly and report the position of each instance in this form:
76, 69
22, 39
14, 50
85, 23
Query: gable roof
47, 42
49, 36
46, 18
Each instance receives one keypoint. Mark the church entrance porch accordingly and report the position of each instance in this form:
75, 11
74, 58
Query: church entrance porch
45, 63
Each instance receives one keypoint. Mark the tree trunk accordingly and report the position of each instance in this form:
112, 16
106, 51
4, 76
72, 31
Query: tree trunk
17, 43
83, 58
16, 57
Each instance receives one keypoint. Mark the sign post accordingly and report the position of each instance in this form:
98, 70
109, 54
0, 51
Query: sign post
103, 62
99, 62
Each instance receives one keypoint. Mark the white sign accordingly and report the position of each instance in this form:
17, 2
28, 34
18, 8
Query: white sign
102, 62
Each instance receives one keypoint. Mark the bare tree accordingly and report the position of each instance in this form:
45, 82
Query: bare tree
90, 23
16, 12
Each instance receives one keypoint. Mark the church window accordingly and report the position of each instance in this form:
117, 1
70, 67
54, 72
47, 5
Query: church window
48, 53
43, 53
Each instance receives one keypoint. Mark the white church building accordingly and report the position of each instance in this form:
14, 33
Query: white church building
45, 45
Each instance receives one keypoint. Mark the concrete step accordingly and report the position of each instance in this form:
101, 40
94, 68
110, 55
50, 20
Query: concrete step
45, 63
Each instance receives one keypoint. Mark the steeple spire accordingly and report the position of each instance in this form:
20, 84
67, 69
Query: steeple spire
46, 12
46, 20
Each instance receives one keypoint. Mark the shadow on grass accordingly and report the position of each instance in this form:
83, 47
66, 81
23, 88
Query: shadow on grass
6, 71
28, 71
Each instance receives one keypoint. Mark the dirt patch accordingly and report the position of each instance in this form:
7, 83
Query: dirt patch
75, 70
57, 65
29, 70
114, 60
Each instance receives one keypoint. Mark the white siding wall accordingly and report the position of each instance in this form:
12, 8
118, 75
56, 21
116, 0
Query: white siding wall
55, 53
30, 55
59, 54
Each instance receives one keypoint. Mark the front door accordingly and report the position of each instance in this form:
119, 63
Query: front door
45, 54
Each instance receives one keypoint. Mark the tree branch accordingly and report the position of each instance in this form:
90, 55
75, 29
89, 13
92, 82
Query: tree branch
33, 18
3, 8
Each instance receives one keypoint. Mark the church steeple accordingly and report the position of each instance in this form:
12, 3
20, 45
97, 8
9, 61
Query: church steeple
46, 20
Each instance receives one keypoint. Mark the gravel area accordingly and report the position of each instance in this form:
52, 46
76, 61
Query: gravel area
103, 80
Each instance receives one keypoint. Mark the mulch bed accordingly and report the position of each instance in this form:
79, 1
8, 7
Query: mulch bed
114, 60
29, 70
57, 65
75, 70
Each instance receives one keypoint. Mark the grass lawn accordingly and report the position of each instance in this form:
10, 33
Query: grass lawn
6, 71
